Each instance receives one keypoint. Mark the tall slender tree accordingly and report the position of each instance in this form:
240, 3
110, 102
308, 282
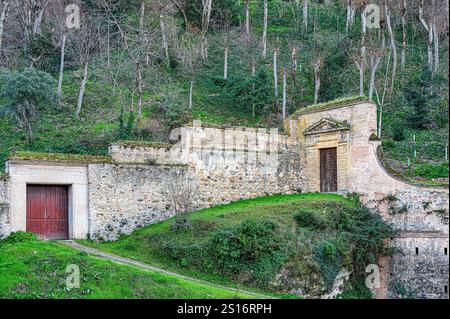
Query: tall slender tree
4, 10
264, 34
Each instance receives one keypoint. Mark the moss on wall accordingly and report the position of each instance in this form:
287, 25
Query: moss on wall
31, 156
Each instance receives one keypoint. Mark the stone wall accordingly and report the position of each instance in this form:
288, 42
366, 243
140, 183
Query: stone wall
420, 269
4, 206
125, 197
223, 165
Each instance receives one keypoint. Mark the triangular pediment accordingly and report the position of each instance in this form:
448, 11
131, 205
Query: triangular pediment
327, 125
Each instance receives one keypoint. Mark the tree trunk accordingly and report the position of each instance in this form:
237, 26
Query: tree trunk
374, 63
363, 56
317, 66
225, 62
393, 47
429, 29
139, 90
191, 89
165, 44
430, 48
82, 88
284, 94
381, 103
404, 29
435, 38
294, 75
108, 48
275, 78
347, 20
264, 35
253, 64
205, 25
436, 48
3, 15
183, 13
305, 14
61, 66
143, 37
247, 18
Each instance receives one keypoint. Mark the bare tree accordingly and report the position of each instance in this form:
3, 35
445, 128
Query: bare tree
375, 56
284, 94
136, 40
4, 10
57, 19
393, 46
264, 35
350, 19
225, 57
404, 29
247, 18
162, 25
275, 75
305, 14
360, 61
85, 45
317, 67
251, 52
428, 26
294, 67
180, 8
206, 15
381, 101
189, 54
30, 13
181, 192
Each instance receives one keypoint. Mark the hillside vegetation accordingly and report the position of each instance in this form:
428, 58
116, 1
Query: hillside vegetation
290, 244
120, 44
36, 269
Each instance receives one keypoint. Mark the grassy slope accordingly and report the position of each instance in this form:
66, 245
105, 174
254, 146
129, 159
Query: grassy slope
37, 270
143, 244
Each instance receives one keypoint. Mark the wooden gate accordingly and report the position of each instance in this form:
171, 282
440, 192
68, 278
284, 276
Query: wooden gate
47, 211
328, 170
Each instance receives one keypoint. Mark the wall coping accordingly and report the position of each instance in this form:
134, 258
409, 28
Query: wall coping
381, 163
58, 157
334, 104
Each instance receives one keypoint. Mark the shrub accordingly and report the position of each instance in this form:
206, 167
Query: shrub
22, 93
398, 132
180, 223
329, 260
419, 96
365, 233
431, 170
19, 237
308, 219
252, 248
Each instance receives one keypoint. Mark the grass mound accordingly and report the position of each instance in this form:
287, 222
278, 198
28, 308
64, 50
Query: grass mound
279, 244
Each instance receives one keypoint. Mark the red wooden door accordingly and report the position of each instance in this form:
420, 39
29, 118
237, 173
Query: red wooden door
47, 211
328, 170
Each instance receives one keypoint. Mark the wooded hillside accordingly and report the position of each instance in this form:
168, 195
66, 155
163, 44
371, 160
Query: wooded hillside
136, 69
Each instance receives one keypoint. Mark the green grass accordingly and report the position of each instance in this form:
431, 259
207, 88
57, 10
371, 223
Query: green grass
35, 269
147, 244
